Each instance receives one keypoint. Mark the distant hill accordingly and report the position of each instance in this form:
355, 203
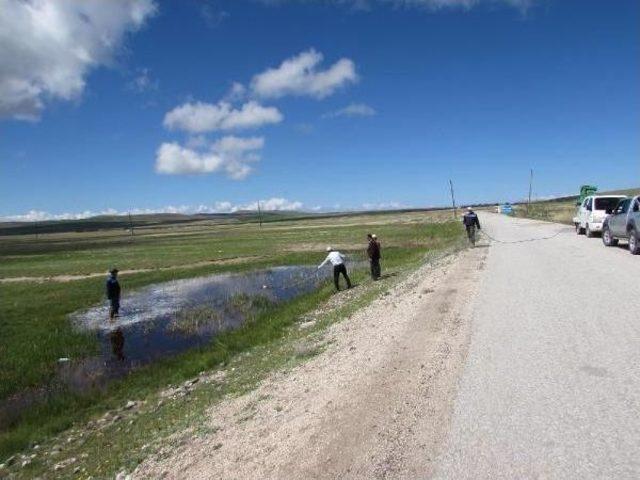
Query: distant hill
111, 222
114, 222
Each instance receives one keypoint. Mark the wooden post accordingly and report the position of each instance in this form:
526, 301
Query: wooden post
130, 225
453, 199
530, 186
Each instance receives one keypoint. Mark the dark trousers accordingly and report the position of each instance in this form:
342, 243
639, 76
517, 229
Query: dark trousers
375, 268
471, 233
115, 307
337, 270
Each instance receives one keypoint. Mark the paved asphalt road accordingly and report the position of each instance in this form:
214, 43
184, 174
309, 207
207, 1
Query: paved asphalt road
551, 388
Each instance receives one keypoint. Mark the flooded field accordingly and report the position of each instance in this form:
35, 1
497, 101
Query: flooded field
168, 318
165, 319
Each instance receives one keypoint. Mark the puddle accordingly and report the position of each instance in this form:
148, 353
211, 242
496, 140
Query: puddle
165, 319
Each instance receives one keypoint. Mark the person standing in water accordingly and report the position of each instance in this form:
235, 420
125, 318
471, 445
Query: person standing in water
113, 293
337, 260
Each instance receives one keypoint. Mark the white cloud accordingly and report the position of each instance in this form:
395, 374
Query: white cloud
212, 16
236, 92
273, 204
352, 110
465, 4
231, 144
143, 82
383, 206
238, 153
230, 155
300, 76
174, 159
47, 47
522, 5
200, 117
270, 204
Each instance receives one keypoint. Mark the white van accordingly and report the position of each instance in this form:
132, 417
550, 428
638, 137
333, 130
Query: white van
592, 212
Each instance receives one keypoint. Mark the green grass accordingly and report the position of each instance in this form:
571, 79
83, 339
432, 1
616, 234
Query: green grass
271, 344
36, 331
561, 211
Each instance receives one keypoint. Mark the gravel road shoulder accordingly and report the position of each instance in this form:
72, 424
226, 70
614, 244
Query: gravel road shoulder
375, 403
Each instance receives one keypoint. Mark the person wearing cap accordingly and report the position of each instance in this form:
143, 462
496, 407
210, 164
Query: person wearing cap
113, 293
373, 252
337, 260
471, 222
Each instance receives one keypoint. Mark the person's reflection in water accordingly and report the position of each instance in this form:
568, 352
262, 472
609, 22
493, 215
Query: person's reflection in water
117, 343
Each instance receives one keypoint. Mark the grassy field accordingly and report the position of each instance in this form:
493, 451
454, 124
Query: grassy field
561, 211
35, 327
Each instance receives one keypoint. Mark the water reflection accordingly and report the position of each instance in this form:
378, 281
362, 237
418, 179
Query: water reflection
117, 343
168, 318
163, 320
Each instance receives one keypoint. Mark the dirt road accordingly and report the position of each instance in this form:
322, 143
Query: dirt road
374, 404
518, 360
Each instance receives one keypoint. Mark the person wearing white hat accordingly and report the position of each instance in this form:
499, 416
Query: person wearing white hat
471, 222
337, 260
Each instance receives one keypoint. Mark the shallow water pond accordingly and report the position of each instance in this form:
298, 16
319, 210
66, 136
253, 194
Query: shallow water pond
168, 318
165, 319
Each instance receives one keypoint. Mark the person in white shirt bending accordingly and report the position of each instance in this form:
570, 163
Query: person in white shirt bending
337, 260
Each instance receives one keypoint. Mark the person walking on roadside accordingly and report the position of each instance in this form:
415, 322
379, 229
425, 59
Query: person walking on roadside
373, 251
113, 293
471, 222
337, 260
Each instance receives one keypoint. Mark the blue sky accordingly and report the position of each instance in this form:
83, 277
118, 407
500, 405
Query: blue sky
187, 105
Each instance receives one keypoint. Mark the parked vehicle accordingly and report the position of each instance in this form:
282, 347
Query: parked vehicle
623, 223
506, 209
592, 212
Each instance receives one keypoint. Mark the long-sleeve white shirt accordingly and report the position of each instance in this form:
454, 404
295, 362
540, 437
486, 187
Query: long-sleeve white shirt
336, 258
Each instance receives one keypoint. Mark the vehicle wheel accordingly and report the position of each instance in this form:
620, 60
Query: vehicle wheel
588, 232
634, 245
608, 239
579, 230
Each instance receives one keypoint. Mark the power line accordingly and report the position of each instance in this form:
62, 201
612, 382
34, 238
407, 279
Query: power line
453, 199
530, 186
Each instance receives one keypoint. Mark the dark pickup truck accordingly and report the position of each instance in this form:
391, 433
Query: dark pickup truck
623, 223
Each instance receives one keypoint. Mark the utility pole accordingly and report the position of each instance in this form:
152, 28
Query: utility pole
453, 199
530, 186
130, 224
259, 214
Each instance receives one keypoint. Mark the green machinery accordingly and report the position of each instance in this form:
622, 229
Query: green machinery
585, 191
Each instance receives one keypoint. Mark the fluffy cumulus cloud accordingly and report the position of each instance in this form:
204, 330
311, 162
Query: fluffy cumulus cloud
174, 159
300, 75
353, 110
270, 204
383, 206
273, 204
47, 47
200, 117
231, 155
